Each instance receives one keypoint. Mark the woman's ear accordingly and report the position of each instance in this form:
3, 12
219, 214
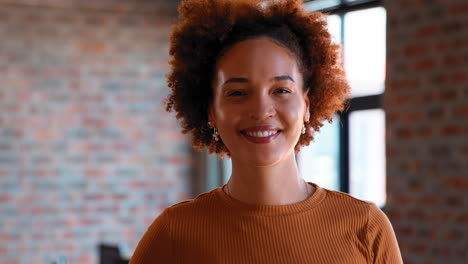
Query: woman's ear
307, 106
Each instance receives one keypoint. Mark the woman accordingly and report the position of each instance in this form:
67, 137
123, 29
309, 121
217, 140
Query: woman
252, 80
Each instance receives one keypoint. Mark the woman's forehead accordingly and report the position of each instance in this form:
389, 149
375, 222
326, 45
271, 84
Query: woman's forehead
259, 58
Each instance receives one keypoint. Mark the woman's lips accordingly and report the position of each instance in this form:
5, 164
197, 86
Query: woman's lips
261, 139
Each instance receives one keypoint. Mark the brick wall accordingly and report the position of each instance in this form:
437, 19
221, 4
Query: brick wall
427, 128
87, 152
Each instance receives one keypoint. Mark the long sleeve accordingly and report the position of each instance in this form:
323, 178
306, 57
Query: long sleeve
381, 238
155, 245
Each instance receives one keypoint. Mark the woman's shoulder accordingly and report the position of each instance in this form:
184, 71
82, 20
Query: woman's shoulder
340, 200
347, 204
342, 197
199, 203
379, 233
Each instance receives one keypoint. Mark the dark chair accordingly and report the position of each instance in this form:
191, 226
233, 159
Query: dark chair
110, 255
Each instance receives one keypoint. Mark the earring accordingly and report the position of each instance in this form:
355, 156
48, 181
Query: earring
215, 132
303, 131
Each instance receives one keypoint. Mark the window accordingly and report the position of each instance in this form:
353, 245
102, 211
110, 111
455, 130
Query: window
367, 155
320, 161
349, 154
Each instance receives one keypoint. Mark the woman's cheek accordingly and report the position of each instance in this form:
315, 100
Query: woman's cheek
294, 109
222, 112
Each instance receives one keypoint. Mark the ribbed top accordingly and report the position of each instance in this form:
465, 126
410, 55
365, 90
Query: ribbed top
328, 227
270, 210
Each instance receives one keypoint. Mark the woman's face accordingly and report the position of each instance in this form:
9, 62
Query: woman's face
259, 105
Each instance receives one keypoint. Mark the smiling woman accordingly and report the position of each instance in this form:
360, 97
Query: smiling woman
254, 80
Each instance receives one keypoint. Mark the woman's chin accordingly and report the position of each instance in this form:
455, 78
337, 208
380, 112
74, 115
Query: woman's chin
261, 160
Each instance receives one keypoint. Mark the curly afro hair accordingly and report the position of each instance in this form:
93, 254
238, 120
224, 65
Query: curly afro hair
208, 28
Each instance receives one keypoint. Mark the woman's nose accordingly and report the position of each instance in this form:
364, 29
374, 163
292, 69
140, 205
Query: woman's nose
261, 107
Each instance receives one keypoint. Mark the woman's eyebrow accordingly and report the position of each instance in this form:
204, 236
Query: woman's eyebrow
282, 78
245, 80
237, 79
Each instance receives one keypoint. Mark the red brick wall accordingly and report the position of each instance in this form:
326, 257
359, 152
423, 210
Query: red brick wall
87, 152
426, 101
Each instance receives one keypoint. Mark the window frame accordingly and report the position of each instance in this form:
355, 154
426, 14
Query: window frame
355, 103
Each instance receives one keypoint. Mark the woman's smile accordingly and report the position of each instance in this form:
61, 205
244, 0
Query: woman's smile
261, 134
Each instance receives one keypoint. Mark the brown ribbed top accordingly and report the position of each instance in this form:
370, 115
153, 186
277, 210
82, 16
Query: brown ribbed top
328, 227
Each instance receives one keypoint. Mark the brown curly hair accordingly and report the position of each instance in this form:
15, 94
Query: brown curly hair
208, 28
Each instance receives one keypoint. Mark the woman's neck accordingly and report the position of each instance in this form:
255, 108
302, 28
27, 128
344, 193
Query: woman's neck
278, 184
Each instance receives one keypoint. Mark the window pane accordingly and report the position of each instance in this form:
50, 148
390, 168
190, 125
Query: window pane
212, 171
367, 155
320, 4
364, 50
319, 162
334, 27
226, 166
356, 1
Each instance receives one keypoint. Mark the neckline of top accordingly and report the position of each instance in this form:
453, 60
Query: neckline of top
272, 210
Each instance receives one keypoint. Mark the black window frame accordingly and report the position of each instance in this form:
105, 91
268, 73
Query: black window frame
355, 103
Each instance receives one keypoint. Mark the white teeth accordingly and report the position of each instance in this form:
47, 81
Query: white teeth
261, 133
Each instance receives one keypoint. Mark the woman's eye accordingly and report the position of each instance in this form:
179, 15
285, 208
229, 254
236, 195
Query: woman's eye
236, 93
282, 91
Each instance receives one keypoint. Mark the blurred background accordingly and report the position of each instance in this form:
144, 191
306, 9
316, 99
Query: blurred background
89, 156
